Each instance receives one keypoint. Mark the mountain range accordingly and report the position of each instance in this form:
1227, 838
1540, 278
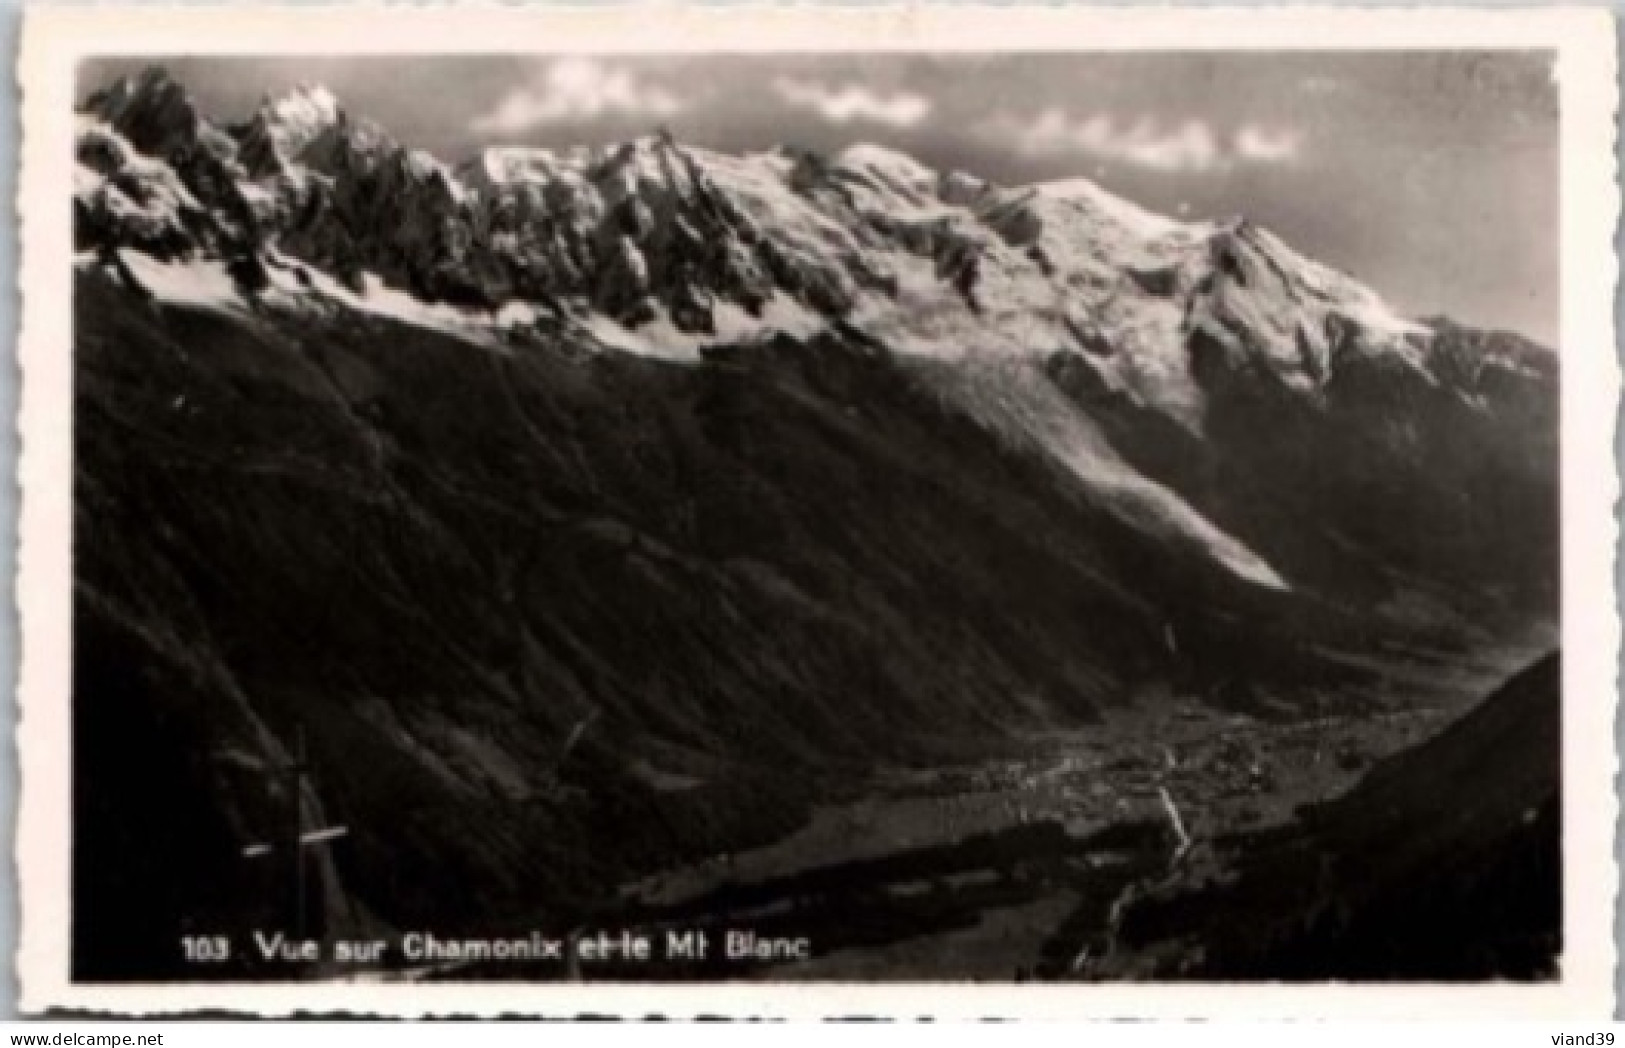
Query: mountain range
588, 512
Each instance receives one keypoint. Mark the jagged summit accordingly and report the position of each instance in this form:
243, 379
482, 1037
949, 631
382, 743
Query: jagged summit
308, 105
282, 127
148, 107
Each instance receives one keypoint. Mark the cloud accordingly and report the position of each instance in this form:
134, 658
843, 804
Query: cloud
577, 89
1185, 148
1191, 146
853, 102
1267, 146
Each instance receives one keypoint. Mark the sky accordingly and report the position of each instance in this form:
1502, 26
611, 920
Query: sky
1430, 176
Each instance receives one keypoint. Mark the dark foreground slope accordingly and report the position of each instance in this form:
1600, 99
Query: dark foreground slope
1444, 863
546, 619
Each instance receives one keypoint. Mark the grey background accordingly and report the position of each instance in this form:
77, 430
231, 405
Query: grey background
10, 20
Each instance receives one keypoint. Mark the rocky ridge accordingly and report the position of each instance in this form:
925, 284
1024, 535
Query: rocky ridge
663, 247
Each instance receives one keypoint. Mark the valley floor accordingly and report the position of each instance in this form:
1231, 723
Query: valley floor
1013, 868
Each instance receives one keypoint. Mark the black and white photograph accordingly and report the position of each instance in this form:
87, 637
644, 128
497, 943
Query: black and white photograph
813, 515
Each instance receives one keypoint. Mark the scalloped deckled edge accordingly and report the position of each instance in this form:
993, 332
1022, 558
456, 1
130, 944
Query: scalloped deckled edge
55, 37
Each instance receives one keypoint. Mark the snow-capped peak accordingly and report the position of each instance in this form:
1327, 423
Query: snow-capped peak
652, 233
302, 113
511, 165
283, 127
1136, 219
895, 170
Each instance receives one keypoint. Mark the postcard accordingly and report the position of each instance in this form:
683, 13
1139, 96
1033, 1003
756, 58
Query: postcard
811, 512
